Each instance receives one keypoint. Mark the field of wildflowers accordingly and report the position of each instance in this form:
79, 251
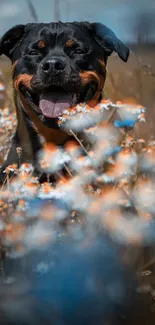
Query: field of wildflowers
104, 188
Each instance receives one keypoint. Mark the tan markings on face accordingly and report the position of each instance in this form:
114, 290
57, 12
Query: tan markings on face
14, 66
88, 76
41, 44
55, 136
69, 43
23, 79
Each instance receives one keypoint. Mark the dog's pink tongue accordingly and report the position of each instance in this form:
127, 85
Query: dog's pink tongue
53, 104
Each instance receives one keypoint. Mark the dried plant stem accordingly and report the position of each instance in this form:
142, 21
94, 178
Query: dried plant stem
19, 153
145, 66
145, 266
7, 180
4, 182
32, 10
48, 178
111, 115
68, 170
19, 161
59, 175
79, 141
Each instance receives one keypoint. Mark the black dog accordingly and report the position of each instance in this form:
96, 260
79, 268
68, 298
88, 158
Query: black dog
55, 66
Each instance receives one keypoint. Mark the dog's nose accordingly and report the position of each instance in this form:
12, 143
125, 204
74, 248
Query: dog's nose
53, 65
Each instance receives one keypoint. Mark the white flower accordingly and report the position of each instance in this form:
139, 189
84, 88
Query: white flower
80, 163
80, 122
26, 168
106, 179
53, 160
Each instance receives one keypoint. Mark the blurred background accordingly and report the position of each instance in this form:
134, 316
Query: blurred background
132, 21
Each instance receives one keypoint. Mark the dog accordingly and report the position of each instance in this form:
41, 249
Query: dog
54, 66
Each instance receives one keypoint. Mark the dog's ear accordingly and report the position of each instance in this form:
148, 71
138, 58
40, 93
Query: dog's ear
106, 38
10, 39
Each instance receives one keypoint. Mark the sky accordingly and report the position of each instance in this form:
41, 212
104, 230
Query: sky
119, 15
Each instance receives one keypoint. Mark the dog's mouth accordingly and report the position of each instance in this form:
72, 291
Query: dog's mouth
52, 104
53, 101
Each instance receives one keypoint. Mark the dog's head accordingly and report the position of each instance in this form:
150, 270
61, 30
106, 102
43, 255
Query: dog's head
57, 65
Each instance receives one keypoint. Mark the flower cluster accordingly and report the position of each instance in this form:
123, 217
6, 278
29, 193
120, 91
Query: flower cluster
7, 128
100, 177
83, 116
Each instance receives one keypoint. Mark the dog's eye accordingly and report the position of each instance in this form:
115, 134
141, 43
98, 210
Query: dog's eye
33, 52
79, 51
